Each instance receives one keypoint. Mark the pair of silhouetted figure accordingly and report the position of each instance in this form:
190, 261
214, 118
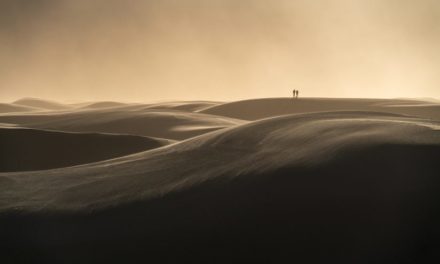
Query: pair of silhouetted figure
295, 93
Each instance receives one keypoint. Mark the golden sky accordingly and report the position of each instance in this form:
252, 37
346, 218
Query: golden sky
149, 50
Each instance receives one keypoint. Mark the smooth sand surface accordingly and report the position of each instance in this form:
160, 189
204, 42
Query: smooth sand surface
188, 106
105, 104
259, 146
13, 108
29, 149
40, 103
134, 120
266, 107
299, 188
345, 183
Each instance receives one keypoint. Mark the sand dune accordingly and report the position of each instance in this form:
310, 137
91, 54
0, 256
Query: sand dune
134, 120
40, 103
177, 120
186, 106
107, 104
30, 149
344, 187
189, 106
266, 107
13, 108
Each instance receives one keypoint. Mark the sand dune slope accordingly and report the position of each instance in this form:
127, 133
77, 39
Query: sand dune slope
105, 104
185, 106
189, 106
30, 149
40, 103
267, 107
13, 108
346, 187
171, 124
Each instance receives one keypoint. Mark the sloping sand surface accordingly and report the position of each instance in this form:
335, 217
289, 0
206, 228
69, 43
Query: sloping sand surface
343, 187
13, 108
133, 120
188, 106
30, 149
40, 103
266, 107
107, 104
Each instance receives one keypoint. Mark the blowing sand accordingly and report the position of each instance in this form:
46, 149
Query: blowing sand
314, 181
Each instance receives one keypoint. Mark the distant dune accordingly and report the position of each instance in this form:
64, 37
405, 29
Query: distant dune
186, 106
40, 103
337, 187
267, 107
13, 108
190, 106
107, 104
30, 149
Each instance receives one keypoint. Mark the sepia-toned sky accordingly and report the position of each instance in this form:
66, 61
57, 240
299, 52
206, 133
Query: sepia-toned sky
130, 50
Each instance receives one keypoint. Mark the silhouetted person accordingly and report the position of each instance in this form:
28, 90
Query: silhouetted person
297, 92
294, 93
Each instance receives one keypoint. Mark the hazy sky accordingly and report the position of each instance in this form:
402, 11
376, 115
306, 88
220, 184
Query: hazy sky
218, 49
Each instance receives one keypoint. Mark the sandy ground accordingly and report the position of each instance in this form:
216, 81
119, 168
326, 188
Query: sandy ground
25, 149
268, 107
270, 180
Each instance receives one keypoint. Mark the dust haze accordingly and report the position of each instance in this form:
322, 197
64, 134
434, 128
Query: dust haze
218, 50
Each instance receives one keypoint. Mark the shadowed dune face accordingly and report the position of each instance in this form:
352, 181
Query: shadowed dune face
29, 149
263, 108
346, 186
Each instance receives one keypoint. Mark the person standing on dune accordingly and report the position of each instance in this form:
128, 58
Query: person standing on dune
294, 93
297, 93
